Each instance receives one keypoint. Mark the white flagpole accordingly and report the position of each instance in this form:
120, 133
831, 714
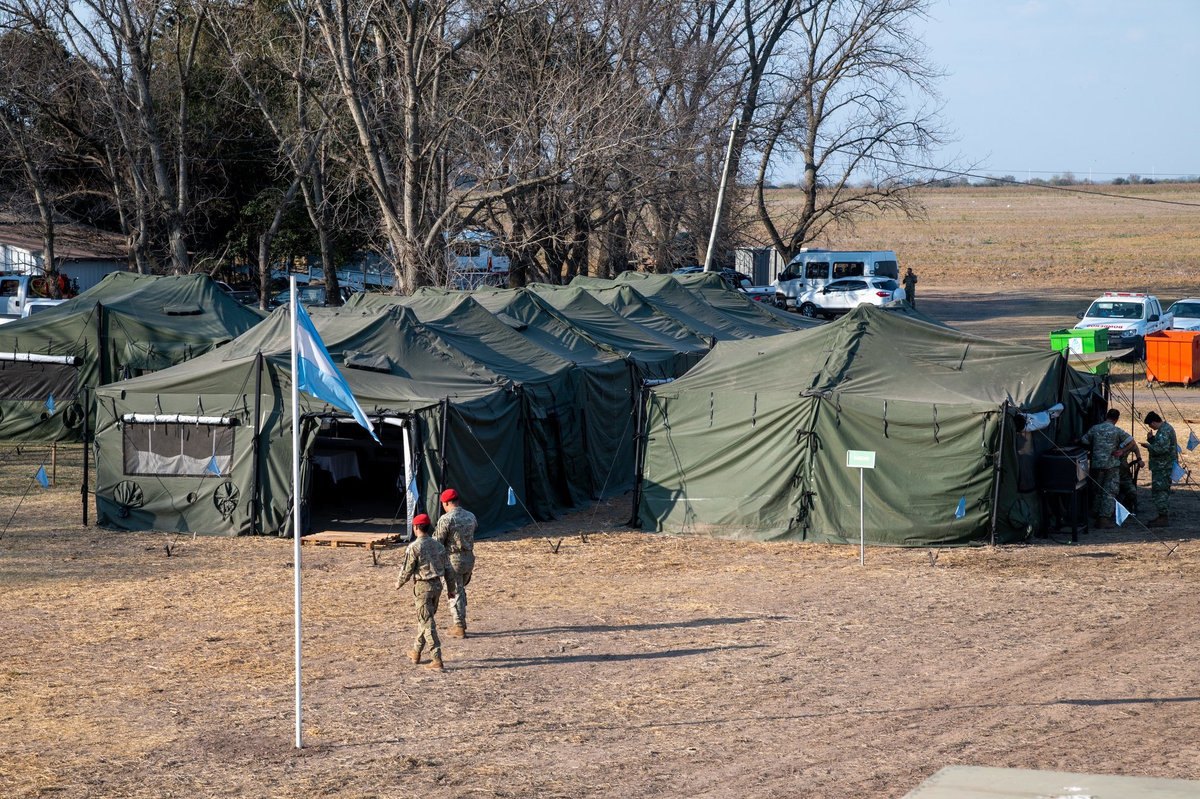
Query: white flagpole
296, 500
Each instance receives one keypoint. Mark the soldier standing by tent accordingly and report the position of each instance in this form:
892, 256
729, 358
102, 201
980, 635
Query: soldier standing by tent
456, 532
1108, 444
1163, 450
910, 287
425, 564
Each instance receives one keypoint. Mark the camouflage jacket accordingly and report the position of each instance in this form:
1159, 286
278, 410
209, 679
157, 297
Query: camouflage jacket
1105, 439
1162, 447
456, 531
424, 559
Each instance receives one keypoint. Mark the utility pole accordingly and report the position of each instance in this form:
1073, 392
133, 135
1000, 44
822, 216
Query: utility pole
712, 238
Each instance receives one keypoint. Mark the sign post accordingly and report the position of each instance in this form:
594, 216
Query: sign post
862, 460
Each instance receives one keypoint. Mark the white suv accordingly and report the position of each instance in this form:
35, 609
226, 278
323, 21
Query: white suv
841, 296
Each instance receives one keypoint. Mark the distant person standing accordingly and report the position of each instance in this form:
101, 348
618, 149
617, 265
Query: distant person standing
910, 287
1163, 450
425, 564
1108, 444
456, 532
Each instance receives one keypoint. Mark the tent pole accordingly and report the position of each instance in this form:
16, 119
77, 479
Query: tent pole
255, 515
634, 521
999, 470
83, 489
442, 445
712, 237
100, 344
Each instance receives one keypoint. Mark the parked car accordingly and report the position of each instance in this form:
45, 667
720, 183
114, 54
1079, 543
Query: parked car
688, 270
841, 296
814, 268
1129, 317
1185, 314
244, 296
310, 296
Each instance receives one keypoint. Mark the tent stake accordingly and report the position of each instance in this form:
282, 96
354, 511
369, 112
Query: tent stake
999, 470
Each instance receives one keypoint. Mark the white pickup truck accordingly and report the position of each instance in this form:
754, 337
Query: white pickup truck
22, 295
1129, 317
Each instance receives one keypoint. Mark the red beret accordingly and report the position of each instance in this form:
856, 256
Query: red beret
422, 518
449, 495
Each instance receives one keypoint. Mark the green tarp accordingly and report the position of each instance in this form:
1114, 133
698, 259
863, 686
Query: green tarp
752, 442
428, 388
146, 323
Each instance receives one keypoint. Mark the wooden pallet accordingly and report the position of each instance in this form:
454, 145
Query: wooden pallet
337, 538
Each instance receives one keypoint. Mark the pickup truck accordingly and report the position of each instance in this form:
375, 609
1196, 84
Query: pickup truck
1129, 317
16, 294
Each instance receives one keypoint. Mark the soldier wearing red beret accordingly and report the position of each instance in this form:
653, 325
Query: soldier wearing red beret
425, 564
456, 532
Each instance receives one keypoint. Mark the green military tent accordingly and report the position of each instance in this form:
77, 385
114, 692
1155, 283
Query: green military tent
205, 446
752, 443
124, 326
554, 390
706, 307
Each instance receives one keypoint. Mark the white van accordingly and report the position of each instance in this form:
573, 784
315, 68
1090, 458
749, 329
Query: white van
814, 268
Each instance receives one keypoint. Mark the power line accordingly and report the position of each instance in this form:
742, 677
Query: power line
1014, 182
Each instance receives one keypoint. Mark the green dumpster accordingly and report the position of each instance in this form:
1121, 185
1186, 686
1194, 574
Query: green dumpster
1092, 339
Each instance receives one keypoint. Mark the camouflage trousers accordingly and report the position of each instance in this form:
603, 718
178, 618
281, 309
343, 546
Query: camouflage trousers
1160, 487
463, 564
1107, 481
425, 596
1127, 490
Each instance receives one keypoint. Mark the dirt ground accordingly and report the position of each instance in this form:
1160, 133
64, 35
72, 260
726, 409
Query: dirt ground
601, 661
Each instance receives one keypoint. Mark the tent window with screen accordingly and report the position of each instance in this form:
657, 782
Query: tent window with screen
177, 450
25, 381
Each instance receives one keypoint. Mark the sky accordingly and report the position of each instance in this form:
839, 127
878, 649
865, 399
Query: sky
1039, 87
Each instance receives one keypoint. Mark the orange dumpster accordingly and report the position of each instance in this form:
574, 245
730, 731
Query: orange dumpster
1173, 356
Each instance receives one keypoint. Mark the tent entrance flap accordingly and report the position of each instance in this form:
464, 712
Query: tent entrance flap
354, 484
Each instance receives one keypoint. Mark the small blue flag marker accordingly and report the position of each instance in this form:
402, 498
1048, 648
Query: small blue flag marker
961, 510
41, 477
50, 403
1193, 442
213, 467
1122, 513
512, 496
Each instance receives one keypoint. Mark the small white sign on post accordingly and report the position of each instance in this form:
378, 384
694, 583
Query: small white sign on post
861, 459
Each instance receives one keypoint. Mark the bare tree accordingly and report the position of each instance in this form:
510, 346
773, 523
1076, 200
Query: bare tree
846, 111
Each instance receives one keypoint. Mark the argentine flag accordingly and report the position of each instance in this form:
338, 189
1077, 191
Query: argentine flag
317, 374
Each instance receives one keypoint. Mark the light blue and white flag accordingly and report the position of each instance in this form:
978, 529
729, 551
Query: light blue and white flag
1122, 513
50, 403
317, 374
961, 510
1193, 442
1177, 472
512, 496
213, 466
41, 477
413, 494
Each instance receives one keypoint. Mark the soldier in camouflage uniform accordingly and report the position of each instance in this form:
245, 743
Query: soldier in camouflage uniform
456, 532
1163, 450
1108, 444
425, 564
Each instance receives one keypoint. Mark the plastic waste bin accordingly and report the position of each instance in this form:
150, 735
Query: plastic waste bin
1173, 356
1082, 340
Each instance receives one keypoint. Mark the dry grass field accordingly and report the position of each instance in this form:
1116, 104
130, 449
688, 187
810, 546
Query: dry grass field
625, 664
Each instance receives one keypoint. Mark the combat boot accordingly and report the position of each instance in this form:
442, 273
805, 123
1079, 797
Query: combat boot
435, 665
1161, 520
414, 655
458, 631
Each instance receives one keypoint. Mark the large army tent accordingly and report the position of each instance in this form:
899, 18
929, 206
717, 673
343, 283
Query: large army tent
554, 390
205, 446
752, 443
124, 326
705, 306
